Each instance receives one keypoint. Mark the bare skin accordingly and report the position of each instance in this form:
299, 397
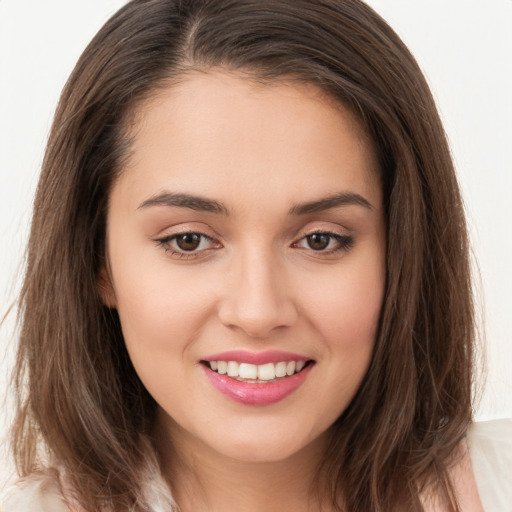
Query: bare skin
215, 483
253, 158
463, 479
215, 486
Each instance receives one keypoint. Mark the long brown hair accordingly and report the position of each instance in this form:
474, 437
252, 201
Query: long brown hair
78, 394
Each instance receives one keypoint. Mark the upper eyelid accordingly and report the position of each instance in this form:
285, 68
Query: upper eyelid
171, 236
334, 235
166, 243
179, 229
345, 242
211, 234
298, 237
167, 239
323, 230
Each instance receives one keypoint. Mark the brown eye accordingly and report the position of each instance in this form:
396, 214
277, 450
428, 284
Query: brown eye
318, 241
325, 243
188, 241
188, 244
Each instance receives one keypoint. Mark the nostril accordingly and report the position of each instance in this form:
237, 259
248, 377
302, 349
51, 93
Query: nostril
257, 323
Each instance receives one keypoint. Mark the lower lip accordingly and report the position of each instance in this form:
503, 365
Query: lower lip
249, 393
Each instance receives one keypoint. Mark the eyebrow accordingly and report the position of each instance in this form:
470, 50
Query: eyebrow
185, 201
211, 206
341, 199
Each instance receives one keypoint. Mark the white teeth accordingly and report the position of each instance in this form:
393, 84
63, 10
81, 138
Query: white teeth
281, 369
233, 367
248, 371
265, 372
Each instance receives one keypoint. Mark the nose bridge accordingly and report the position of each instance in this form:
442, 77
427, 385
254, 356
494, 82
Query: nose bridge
257, 299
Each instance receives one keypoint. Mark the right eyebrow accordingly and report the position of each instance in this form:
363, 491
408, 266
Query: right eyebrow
192, 202
326, 203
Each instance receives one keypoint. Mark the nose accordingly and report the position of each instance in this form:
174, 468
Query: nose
257, 299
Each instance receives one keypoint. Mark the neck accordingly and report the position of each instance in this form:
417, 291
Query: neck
203, 480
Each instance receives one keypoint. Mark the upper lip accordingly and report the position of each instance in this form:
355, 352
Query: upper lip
244, 356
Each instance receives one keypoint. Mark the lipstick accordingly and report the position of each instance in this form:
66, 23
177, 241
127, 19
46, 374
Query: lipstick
287, 373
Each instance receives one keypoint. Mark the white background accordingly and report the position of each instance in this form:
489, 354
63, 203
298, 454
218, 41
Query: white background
465, 49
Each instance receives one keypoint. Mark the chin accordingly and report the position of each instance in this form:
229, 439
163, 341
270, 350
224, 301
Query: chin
260, 452
268, 449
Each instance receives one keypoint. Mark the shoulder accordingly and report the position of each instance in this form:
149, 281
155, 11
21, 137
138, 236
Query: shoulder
39, 492
490, 447
462, 479
50, 490
482, 470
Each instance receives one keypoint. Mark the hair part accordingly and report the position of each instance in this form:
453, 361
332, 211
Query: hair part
78, 393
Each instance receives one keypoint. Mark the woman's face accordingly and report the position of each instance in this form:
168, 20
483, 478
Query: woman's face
246, 246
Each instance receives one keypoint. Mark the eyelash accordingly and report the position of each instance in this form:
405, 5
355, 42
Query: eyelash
344, 243
167, 241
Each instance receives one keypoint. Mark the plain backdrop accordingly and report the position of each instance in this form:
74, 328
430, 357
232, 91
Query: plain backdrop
465, 50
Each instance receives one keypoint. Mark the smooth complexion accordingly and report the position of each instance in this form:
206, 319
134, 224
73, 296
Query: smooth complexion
249, 218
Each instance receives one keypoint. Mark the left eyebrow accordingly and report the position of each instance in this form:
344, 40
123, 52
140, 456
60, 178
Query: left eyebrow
326, 203
192, 202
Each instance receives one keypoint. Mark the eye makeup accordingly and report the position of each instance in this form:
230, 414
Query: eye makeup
195, 244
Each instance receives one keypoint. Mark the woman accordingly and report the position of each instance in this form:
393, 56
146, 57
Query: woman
248, 281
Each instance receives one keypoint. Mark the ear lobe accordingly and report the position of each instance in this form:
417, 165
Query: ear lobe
105, 288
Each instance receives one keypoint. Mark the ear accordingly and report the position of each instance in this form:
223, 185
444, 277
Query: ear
105, 288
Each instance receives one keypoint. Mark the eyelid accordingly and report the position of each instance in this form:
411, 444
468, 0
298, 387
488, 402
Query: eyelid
166, 239
324, 228
345, 241
184, 227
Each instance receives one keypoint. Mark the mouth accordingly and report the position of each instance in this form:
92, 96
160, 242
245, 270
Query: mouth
257, 373
261, 384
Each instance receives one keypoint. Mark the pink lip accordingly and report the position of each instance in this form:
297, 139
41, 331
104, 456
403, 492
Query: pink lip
242, 356
256, 393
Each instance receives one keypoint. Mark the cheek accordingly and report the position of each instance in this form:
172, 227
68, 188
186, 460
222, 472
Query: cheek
162, 306
346, 308
160, 325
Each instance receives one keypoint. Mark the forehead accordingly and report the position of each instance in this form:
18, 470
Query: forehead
216, 131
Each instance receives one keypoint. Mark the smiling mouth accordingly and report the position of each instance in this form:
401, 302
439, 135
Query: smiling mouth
257, 373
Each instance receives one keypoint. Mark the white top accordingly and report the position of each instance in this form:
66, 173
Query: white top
39, 493
490, 446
